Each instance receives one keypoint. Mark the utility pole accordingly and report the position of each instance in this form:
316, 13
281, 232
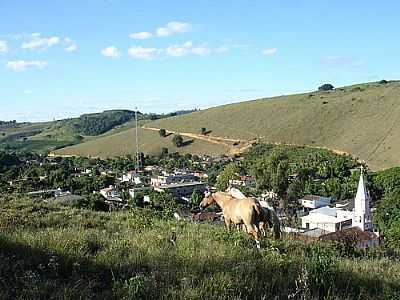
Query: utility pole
137, 165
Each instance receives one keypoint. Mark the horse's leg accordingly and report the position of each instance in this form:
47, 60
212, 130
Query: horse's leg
261, 227
228, 224
253, 231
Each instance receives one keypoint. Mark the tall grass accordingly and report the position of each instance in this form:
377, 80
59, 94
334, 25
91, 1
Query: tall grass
54, 252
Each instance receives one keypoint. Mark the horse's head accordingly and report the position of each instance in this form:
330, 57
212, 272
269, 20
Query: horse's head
207, 200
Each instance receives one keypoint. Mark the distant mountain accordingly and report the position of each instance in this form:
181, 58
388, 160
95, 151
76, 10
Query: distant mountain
363, 120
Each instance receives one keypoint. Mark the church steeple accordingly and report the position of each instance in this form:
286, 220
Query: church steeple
362, 212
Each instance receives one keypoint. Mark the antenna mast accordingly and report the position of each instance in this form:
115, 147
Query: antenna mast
137, 142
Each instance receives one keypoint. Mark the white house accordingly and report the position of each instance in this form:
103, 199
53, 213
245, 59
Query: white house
172, 179
314, 201
109, 192
131, 176
327, 218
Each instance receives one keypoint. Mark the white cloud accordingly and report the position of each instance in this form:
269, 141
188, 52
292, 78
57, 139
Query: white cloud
21, 65
179, 50
71, 48
201, 51
38, 42
144, 53
187, 48
141, 35
3, 47
70, 45
173, 28
111, 51
270, 51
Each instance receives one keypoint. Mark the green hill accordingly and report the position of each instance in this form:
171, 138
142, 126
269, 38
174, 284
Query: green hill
47, 136
363, 120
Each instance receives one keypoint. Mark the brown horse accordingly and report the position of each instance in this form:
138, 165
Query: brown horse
237, 211
268, 216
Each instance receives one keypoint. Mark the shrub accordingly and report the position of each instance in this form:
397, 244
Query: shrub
383, 81
162, 132
203, 130
326, 87
177, 140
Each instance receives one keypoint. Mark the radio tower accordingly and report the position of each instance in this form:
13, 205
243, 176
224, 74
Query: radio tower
137, 165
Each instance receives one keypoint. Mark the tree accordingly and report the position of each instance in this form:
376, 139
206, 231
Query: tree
388, 218
164, 151
162, 132
177, 140
326, 87
196, 198
230, 172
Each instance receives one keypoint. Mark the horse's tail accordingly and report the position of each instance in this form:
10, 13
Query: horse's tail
276, 224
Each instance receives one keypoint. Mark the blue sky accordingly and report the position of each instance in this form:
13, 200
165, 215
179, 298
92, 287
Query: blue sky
63, 58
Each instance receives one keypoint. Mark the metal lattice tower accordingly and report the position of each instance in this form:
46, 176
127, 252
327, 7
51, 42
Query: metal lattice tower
137, 165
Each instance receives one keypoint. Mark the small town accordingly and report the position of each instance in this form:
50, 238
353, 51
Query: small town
310, 217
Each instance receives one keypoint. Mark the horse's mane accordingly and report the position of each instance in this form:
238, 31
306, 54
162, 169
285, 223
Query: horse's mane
236, 193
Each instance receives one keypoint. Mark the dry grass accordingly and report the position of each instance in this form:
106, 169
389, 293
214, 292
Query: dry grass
150, 142
363, 120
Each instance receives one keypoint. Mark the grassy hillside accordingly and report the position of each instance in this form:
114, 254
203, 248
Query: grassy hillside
363, 120
47, 136
54, 252
150, 142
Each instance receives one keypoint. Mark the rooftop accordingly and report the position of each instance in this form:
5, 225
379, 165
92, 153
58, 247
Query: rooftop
178, 185
353, 233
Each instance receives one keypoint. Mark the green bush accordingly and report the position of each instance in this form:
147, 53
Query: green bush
326, 87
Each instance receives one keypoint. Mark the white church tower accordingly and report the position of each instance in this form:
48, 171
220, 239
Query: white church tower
362, 212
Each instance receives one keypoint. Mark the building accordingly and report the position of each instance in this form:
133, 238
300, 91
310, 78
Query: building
180, 190
242, 181
131, 176
352, 236
314, 201
110, 192
327, 218
145, 190
360, 238
362, 212
172, 178
338, 218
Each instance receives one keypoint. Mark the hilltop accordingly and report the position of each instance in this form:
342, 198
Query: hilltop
362, 120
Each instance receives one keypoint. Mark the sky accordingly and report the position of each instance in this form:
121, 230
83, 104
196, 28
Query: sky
60, 59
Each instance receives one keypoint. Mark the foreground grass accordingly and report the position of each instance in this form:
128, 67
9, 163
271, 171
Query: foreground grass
54, 252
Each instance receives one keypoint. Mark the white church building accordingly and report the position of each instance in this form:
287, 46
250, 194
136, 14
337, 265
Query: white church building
334, 219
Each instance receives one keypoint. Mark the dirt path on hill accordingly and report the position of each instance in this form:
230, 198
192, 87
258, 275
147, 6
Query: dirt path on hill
243, 145
211, 139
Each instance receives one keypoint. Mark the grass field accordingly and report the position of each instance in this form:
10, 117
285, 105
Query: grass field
150, 142
54, 252
363, 120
